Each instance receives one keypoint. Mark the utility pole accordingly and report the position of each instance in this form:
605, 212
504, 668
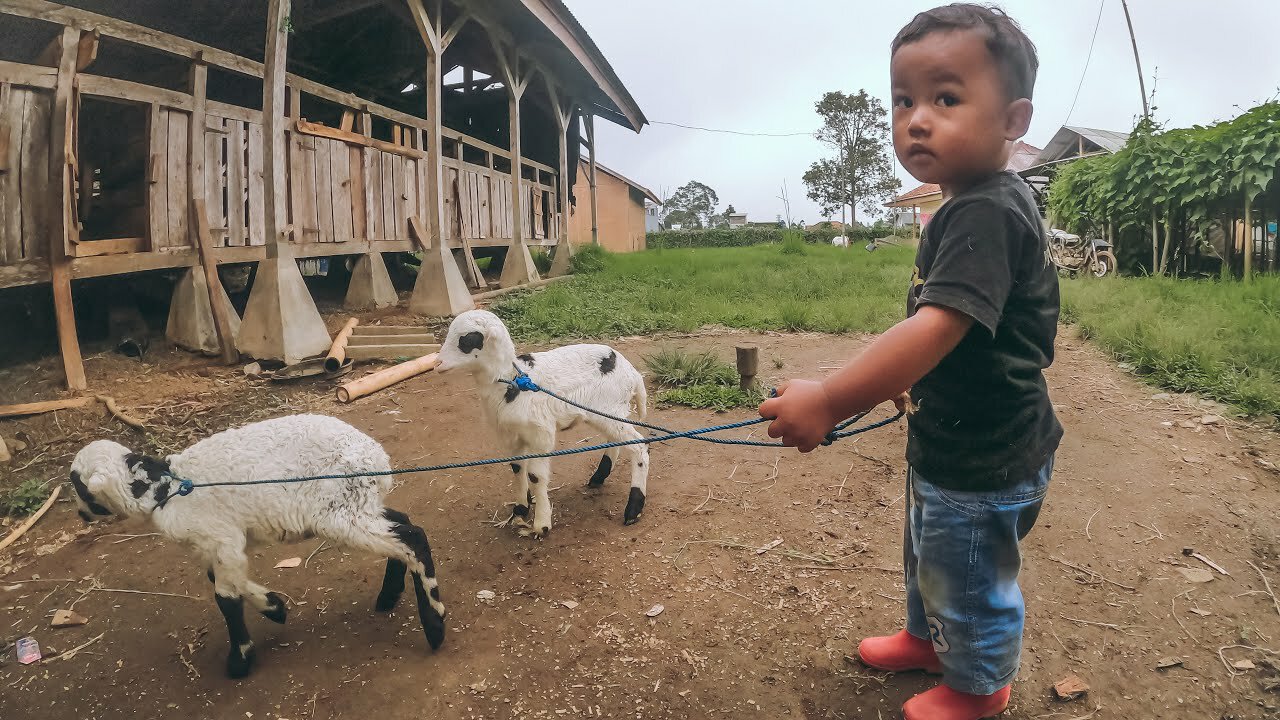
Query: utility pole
1142, 85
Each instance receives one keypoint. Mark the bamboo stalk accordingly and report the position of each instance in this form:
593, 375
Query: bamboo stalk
386, 378
338, 350
36, 408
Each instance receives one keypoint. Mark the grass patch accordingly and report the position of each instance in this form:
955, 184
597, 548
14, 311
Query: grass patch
720, 398
698, 380
792, 243
541, 260
826, 289
23, 499
1221, 339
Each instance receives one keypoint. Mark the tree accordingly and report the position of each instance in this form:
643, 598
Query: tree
693, 204
861, 174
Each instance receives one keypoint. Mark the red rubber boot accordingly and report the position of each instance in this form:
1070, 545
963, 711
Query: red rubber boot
943, 703
900, 652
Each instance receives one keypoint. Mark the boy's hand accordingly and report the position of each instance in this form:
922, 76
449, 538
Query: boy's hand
801, 414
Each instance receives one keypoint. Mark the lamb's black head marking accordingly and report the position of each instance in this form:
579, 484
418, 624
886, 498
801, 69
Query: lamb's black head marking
608, 363
473, 340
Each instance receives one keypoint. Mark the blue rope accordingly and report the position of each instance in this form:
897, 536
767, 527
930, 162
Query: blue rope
524, 383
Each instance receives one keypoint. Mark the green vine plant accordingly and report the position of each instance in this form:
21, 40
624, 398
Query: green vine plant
1177, 183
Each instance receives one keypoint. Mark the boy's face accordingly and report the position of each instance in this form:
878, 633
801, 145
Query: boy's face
952, 120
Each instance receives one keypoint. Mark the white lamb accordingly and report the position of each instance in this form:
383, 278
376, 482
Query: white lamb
218, 522
596, 376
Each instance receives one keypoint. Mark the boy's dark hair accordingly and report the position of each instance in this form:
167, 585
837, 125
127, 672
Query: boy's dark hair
1012, 50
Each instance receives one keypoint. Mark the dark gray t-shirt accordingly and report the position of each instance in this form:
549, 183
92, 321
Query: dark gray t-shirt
984, 420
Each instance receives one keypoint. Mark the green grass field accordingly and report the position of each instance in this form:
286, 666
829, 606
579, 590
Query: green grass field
759, 288
1218, 339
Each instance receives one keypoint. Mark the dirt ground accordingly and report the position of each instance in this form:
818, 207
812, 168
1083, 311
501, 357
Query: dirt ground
768, 634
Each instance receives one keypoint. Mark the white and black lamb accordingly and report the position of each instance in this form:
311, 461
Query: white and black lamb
596, 376
217, 523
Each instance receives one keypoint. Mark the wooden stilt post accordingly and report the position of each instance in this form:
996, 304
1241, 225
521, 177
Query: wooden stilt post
518, 267
562, 110
62, 226
440, 289
281, 321
591, 149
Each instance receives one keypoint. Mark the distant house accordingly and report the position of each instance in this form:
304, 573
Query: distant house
826, 225
924, 200
651, 211
737, 220
622, 209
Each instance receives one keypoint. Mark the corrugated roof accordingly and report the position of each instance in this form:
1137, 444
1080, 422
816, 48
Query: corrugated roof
1067, 140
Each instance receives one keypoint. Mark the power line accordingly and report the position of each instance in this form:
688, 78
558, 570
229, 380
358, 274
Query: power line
1087, 58
731, 132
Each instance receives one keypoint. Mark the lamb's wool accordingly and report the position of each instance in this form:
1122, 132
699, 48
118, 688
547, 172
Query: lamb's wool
596, 376
218, 523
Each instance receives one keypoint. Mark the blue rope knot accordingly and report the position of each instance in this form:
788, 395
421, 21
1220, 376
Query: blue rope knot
524, 382
185, 487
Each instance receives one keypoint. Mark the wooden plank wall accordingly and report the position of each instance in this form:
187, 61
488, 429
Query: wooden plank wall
25, 189
330, 186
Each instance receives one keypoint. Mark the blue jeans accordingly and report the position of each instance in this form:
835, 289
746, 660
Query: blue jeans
960, 553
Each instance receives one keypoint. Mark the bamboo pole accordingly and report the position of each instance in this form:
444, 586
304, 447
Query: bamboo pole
338, 350
36, 408
386, 378
1248, 237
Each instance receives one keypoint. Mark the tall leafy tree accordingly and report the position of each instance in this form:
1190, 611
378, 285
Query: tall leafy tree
694, 203
861, 174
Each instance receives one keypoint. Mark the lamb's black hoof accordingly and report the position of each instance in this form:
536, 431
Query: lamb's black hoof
602, 472
433, 628
276, 610
520, 511
239, 664
635, 507
386, 601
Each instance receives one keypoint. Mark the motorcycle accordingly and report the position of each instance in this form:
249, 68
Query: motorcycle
1072, 254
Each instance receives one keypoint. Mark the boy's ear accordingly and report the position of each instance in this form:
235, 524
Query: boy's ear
1017, 119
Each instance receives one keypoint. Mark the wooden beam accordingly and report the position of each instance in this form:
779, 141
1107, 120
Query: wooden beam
111, 27
27, 75
86, 51
448, 36
309, 128
340, 9
60, 219
221, 321
199, 84
109, 88
275, 171
591, 136
114, 246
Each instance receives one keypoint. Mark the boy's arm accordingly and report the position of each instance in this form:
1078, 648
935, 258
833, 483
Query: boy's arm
806, 410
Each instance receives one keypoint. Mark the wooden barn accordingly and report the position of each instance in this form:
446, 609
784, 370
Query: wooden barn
191, 135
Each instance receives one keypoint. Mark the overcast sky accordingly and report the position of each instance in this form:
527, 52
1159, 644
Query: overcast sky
759, 66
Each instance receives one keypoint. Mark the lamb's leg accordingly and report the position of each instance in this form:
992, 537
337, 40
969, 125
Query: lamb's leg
393, 578
398, 539
229, 578
523, 498
639, 455
539, 484
607, 461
